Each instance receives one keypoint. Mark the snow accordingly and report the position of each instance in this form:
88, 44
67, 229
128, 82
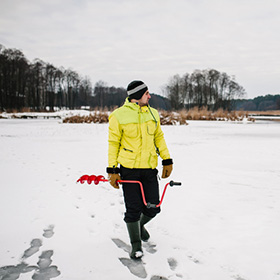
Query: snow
46, 115
222, 223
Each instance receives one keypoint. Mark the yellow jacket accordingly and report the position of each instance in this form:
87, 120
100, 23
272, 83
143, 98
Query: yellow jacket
135, 137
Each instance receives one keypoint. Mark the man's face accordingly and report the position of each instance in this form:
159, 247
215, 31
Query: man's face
144, 101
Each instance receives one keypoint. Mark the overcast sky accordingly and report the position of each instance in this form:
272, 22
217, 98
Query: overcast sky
121, 40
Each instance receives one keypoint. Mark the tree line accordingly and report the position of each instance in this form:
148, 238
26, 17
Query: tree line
203, 88
260, 103
105, 96
38, 85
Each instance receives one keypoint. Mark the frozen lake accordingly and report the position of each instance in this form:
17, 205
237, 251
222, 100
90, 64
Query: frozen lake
222, 223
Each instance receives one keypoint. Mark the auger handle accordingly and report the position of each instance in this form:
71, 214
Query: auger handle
96, 179
172, 183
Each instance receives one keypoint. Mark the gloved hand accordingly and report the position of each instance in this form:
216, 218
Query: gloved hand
167, 168
113, 178
166, 171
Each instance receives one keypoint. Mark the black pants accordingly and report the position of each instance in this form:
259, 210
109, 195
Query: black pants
132, 193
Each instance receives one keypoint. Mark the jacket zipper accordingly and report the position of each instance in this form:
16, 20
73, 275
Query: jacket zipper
128, 150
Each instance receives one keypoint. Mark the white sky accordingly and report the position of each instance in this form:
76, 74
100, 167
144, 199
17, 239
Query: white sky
121, 40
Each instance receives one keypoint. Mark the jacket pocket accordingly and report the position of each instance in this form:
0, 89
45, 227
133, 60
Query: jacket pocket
153, 160
130, 130
151, 128
126, 158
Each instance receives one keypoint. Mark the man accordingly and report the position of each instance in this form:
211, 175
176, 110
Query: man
135, 139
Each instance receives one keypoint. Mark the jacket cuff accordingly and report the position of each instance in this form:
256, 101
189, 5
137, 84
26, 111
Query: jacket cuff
167, 161
113, 170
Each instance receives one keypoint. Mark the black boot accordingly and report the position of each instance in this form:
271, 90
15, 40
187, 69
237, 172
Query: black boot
144, 233
135, 240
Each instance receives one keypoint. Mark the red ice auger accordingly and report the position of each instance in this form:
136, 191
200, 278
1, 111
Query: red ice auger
100, 178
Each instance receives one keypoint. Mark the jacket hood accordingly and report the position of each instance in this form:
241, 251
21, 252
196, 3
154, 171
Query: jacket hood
135, 106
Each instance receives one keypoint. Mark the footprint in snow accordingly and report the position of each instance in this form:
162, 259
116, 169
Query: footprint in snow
157, 277
237, 277
150, 247
12, 272
136, 267
34, 248
42, 271
121, 244
172, 263
194, 259
48, 233
45, 271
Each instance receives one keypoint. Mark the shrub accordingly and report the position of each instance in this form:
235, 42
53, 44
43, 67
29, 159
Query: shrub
96, 117
170, 118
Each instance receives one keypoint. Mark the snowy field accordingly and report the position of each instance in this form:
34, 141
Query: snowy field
223, 223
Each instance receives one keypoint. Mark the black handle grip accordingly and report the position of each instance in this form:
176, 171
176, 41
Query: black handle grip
151, 205
172, 183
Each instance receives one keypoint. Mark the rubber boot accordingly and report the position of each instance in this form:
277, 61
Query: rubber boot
144, 233
135, 240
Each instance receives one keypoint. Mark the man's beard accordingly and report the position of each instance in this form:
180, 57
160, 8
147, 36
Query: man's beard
142, 104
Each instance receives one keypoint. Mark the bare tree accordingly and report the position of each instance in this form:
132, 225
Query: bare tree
37, 85
101, 93
85, 92
13, 67
208, 88
174, 92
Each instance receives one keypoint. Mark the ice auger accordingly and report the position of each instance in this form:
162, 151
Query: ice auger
100, 178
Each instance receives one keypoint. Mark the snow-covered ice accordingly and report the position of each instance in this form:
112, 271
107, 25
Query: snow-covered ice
222, 223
